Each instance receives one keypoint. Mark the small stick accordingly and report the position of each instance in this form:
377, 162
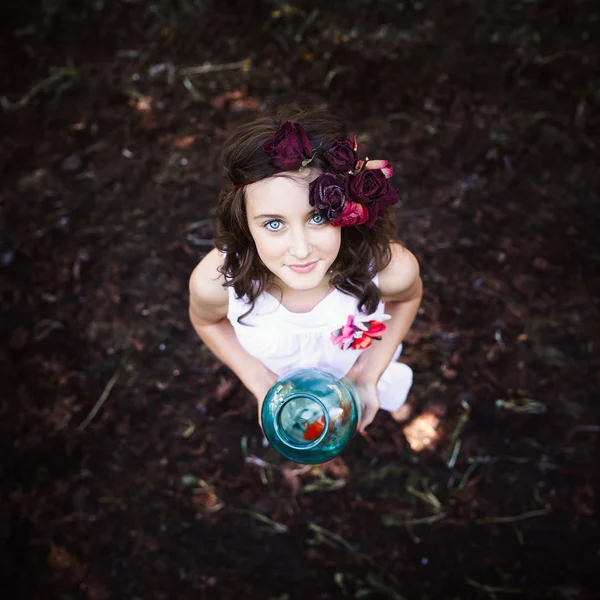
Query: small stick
425, 520
521, 517
378, 585
583, 428
493, 590
454, 454
391, 521
326, 533
455, 441
333, 73
465, 477
529, 406
105, 394
428, 497
38, 87
240, 64
278, 527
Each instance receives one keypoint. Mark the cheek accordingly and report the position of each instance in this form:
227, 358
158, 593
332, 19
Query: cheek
334, 240
266, 245
329, 243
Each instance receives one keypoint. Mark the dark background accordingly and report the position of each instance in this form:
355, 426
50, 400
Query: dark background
132, 464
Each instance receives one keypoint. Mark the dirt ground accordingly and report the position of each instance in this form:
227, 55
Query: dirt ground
132, 462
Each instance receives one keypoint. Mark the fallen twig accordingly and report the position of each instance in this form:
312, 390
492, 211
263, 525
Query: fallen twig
492, 590
105, 394
378, 585
465, 478
427, 497
544, 60
333, 73
37, 88
325, 533
530, 406
526, 515
583, 429
264, 467
430, 129
324, 484
210, 68
455, 442
194, 93
277, 527
520, 460
390, 521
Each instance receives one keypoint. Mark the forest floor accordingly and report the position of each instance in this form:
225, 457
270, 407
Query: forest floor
132, 461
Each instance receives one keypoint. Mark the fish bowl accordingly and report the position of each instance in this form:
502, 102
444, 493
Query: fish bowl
309, 415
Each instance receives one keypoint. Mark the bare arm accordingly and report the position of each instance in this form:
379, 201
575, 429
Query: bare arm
208, 314
401, 290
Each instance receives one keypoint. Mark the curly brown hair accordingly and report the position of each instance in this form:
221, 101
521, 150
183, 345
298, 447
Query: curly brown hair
364, 250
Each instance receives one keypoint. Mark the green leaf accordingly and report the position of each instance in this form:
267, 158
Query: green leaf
189, 480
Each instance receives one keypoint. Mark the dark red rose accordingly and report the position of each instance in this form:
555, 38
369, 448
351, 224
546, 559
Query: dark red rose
327, 193
378, 207
371, 187
288, 147
342, 156
367, 186
353, 213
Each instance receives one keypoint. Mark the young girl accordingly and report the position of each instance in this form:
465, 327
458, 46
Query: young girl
307, 271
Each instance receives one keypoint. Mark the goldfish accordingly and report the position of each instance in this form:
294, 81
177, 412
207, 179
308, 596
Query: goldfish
314, 430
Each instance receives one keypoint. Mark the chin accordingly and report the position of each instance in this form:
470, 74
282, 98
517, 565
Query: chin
303, 281
303, 285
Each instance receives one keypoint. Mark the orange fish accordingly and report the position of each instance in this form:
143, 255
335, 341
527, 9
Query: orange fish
314, 430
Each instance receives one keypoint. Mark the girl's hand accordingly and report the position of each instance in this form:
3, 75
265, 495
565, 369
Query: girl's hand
369, 399
262, 388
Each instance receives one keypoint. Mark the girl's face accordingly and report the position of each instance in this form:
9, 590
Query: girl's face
295, 244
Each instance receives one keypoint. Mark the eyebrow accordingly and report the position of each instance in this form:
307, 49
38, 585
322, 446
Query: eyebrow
311, 212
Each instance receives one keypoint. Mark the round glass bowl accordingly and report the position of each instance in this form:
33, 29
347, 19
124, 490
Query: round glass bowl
310, 415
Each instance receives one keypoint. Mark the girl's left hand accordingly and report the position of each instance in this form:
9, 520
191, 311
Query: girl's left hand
369, 399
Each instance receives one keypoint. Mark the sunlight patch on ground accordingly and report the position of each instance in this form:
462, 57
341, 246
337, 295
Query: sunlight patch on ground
142, 104
422, 433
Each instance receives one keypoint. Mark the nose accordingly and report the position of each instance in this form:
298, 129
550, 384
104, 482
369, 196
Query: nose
301, 246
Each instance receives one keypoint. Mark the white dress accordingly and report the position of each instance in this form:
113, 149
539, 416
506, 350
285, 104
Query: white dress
285, 340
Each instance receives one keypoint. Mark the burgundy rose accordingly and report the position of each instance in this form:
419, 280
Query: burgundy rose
327, 193
379, 206
289, 147
367, 186
353, 213
342, 156
371, 187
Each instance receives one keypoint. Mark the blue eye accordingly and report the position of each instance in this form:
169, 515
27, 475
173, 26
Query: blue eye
274, 225
317, 219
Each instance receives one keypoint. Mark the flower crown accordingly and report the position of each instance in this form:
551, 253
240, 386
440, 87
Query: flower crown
350, 192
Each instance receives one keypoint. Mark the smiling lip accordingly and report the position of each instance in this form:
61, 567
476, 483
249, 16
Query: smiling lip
303, 268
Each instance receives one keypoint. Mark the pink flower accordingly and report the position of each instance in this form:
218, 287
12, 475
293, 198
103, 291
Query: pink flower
384, 165
352, 214
345, 336
359, 332
365, 338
